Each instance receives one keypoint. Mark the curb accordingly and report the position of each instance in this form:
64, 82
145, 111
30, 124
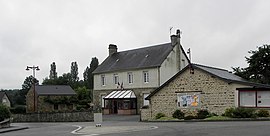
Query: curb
12, 128
196, 120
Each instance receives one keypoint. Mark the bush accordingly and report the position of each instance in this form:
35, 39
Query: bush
189, 117
202, 114
160, 115
178, 114
229, 112
240, 113
263, 113
244, 113
19, 109
4, 112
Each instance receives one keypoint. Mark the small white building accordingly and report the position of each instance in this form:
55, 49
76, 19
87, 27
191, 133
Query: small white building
4, 99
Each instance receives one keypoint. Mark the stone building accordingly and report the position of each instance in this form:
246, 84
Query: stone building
49, 98
4, 99
202, 87
125, 78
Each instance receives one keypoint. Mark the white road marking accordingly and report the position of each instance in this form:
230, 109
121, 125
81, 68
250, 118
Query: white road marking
76, 130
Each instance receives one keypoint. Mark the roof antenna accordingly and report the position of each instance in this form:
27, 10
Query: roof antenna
189, 53
191, 69
171, 30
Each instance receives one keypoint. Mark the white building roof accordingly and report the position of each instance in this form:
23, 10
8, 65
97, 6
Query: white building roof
123, 94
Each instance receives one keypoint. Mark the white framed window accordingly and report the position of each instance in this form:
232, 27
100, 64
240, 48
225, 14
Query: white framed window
145, 102
145, 76
103, 80
115, 79
247, 98
254, 99
130, 77
188, 100
263, 98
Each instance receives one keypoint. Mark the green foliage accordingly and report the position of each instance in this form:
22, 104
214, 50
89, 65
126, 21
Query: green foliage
189, 117
18, 109
229, 112
259, 65
178, 114
88, 73
160, 115
240, 113
28, 83
262, 113
60, 100
53, 73
202, 114
4, 112
74, 72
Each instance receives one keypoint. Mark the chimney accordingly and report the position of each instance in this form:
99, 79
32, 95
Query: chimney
112, 49
175, 39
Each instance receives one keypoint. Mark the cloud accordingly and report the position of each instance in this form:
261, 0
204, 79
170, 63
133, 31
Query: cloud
220, 33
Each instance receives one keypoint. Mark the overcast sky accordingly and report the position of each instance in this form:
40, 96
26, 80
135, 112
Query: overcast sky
33, 32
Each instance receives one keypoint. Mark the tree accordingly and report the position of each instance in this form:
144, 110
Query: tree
258, 69
53, 73
83, 97
88, 73
74, 72
27, 84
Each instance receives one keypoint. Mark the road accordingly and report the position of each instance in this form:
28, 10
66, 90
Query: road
125, 125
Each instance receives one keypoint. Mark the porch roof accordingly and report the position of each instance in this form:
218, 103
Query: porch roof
123, 94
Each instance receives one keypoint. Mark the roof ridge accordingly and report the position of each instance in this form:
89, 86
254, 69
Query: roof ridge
151, 46
210, 67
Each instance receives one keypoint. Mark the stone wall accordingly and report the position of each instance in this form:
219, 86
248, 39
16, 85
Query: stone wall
54, 117
215, 94
145, 114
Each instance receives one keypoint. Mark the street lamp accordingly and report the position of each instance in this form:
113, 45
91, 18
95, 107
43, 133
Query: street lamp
34, 68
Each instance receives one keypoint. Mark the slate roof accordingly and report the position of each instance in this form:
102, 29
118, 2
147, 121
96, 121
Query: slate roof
148, 57
54, 90
216, 72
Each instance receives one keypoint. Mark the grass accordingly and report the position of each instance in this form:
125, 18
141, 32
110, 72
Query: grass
218, 118
167, 119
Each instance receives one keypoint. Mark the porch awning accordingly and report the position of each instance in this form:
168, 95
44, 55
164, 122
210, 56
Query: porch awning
123, 94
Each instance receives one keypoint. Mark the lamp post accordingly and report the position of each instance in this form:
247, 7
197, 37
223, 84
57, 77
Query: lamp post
34, 68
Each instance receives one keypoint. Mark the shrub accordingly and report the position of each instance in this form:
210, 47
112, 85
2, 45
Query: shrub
240, 113
189, 117
243, 113
263, 113
202, 114
19, 109
4, 112
160, 115
178, 114
229, 112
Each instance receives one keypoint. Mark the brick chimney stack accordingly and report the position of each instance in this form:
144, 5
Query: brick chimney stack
175, 39
112, 49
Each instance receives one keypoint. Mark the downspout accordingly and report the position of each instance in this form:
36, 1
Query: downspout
158, 76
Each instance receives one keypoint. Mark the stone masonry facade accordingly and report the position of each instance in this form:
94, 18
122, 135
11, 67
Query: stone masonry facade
216, 95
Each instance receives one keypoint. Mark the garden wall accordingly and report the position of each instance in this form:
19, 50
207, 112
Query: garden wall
54, 117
